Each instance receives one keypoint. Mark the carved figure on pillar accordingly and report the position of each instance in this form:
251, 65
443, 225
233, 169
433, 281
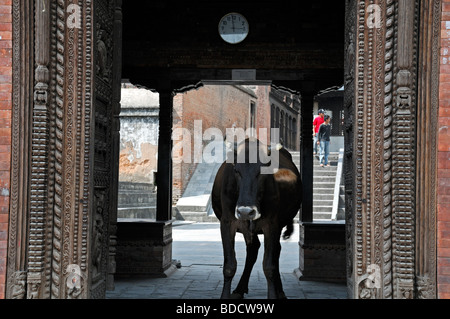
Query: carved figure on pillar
19, 290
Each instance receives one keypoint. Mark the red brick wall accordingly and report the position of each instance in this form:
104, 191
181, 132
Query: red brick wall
5, 130
443, 180
217, 106
263, 106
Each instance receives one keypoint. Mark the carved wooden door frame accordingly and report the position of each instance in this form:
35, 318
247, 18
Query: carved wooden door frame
391, 106
64, 122
391, 101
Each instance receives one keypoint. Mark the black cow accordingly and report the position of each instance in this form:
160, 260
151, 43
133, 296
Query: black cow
249, 202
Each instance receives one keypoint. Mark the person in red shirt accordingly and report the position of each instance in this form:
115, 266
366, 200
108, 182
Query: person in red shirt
318, 121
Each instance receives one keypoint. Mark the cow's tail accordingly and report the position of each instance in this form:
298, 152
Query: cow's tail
289, 230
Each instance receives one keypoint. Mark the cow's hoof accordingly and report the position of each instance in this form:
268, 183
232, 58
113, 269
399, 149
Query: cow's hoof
281, 295
237, 295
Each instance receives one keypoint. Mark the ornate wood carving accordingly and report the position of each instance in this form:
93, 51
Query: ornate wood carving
403, 149
59, 222
427, 119
22, 77
65, 140
69, 109
106, 105
39, 156
57, 137
381, 145
349, 104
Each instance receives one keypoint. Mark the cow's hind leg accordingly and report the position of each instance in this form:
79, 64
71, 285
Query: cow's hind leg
253, 244
272, 250
228, 233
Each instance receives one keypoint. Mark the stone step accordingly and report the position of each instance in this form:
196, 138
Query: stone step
323, 185
137, 212
136, 191
198, 203
136, 199
323, 197
319, 202
329, 168
322, 216
332, 155
324, 179
201, 217
321, 209
326, 191
132, 186
324, 172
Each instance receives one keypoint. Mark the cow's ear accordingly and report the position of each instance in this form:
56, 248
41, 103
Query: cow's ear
278, 147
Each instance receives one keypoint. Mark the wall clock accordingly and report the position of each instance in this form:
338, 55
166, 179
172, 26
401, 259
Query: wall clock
233, 28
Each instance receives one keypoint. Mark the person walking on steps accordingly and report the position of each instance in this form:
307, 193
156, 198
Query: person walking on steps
323, 140
316, 125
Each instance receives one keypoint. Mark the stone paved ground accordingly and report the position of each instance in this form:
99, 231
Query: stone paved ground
198, 247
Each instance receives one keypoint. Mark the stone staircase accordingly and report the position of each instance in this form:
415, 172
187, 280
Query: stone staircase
195, 204
136, 200
323, 187
324, 182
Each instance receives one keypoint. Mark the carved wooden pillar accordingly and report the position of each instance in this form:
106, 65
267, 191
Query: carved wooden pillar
403, 147
115, 130
427, 119
73, 144
104, 152
381, 71
370, 220
22, 105
349, 106
39, 156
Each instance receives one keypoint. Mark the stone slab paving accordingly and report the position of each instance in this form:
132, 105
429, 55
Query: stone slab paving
198, 247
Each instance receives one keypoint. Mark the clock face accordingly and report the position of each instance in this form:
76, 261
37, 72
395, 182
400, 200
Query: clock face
233, 28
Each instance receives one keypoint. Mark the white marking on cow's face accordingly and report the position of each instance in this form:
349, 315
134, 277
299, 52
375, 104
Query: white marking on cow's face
247, 213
